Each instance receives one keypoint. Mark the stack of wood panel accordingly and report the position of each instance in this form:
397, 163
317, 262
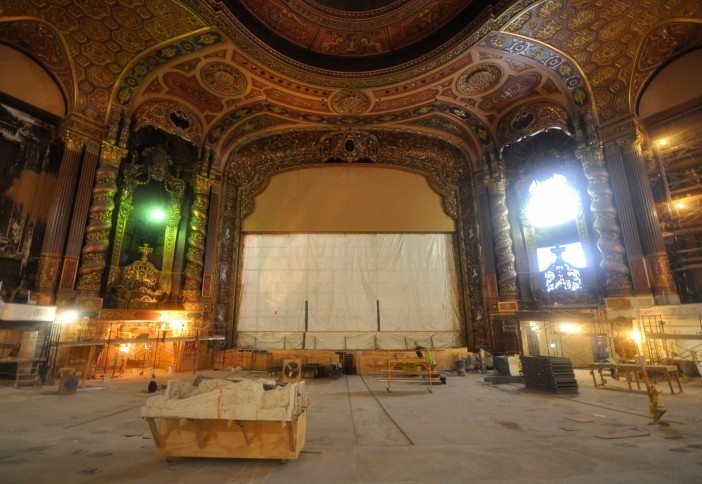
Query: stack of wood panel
549, 374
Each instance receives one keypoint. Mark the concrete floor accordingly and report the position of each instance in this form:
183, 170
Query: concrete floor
464, 431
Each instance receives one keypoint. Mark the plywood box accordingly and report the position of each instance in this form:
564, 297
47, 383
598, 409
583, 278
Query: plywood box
251, 439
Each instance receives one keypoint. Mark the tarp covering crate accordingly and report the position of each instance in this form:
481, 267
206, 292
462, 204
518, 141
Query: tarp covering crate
229, 418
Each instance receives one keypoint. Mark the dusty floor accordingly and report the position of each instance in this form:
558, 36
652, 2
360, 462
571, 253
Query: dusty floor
465, 431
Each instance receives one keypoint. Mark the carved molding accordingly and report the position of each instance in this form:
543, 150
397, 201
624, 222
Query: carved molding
171, 117
530, 119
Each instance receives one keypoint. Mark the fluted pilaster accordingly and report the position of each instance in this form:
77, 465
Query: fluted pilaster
59, 217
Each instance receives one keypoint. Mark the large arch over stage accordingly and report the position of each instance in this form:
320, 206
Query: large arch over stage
304, 209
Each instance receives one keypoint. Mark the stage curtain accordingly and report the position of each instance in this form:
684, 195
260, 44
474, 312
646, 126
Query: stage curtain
341, 276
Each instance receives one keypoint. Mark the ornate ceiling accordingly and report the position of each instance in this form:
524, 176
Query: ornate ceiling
328, 34
449, 69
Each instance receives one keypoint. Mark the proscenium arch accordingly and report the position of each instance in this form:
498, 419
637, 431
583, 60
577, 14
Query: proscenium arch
249, 169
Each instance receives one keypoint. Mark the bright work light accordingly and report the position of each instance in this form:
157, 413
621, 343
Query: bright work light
157, 215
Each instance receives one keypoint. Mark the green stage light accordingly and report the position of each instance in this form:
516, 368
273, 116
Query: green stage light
157, 215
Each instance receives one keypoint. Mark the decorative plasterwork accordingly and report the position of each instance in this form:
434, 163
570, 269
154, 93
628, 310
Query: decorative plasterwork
271, 59
479, 79
226, 123
349, 146
141, 69
350, 102
566, 71
104, 37
224, 79
169, 116
530, 119
356, 33
602, 37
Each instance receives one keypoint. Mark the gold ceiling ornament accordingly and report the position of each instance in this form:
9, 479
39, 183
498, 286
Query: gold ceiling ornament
349, 146
530, 119
479, 79
222, 78
350, 102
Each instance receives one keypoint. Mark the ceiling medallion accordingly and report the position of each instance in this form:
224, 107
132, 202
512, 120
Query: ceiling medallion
222, 78
350, 102
479, 79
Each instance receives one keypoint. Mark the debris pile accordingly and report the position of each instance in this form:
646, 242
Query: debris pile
240, 399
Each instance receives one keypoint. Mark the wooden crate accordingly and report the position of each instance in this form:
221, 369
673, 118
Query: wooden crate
248, 439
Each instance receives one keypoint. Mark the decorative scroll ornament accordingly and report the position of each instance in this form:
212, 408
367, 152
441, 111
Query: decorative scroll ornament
530, 119
349, 146
350, 102
479, 79
561, 276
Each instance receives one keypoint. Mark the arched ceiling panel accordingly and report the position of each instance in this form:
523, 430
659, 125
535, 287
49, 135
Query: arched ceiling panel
602, 37
103, 37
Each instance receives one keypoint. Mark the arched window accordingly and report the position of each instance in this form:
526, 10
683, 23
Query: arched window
551, 211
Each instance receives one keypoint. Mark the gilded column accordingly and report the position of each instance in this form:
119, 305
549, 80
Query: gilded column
489, 270
123, 213
97, 234
210, 241
502, 236
51, 257
195, 253
176, 189
613, 262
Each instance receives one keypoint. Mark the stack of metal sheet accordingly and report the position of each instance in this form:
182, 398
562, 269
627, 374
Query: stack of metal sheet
549, 374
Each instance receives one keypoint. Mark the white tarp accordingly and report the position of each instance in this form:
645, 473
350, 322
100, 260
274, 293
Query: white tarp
341, 276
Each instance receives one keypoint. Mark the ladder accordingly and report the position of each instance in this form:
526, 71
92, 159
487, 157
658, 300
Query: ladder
27, 374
